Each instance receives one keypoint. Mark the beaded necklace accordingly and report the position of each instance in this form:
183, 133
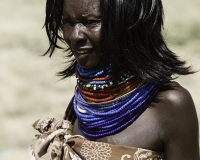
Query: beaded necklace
104, 108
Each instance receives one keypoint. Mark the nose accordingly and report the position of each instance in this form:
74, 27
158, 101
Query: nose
77, 33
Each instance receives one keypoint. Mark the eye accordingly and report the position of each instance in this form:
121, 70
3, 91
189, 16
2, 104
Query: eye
68, 22
91, 22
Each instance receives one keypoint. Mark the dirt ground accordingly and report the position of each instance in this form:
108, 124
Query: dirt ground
29, 88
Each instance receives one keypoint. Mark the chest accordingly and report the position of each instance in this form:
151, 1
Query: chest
143, 133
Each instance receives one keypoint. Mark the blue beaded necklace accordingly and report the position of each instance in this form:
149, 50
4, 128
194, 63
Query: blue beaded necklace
97, 120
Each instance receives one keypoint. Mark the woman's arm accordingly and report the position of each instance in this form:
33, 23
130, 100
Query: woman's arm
180, 126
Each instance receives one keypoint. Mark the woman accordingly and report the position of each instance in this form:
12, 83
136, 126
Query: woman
126, 105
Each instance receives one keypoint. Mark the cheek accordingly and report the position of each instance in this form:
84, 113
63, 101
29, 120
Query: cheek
96, 36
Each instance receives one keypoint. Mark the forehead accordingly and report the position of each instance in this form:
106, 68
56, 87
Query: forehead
83, 7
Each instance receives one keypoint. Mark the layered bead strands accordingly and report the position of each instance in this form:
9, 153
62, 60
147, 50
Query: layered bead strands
105, 110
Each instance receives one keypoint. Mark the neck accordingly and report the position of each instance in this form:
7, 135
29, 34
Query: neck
105, 108
98, 85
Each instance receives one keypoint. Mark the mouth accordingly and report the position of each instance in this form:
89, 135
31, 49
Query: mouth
82, 53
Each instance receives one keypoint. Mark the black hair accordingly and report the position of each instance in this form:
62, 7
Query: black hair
130, 34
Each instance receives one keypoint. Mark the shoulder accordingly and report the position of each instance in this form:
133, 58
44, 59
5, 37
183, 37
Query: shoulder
174, 97
178, 123
176, 105
176, 100
175, 93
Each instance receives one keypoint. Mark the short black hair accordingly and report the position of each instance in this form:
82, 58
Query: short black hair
131, 33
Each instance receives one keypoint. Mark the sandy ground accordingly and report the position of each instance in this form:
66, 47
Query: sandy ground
29, 88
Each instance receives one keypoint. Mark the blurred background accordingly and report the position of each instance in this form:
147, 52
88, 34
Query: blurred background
29, 88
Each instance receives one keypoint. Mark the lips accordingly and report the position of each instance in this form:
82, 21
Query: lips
82, 53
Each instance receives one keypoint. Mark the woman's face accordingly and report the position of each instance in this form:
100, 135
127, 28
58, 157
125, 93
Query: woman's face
81, 30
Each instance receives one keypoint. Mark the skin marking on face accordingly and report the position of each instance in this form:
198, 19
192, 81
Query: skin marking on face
82, 29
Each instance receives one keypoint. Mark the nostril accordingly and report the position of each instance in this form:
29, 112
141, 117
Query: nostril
78, 45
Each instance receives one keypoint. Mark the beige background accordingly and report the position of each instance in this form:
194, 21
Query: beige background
29, 88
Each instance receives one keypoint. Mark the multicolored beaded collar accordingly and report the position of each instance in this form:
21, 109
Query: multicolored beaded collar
103, 107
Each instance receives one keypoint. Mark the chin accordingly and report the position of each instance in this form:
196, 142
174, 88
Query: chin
88, 65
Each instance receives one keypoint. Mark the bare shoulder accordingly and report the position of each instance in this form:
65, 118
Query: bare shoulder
178, 122
176, 105
176, 99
